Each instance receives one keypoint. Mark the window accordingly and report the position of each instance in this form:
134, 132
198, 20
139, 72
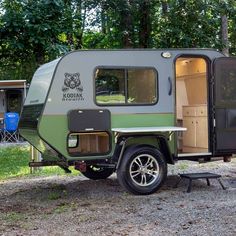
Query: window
126, 86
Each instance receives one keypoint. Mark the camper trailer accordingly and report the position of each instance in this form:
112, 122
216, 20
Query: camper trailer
132, 112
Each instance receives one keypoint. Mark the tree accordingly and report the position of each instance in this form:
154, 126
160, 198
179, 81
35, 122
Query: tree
145, 24
29, 38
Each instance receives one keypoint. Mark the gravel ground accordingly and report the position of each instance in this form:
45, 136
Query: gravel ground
77, 206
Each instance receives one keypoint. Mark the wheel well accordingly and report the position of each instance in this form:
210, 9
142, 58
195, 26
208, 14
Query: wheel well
122, 146
165, 150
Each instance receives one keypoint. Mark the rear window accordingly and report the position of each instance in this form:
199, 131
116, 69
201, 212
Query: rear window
126, 86
40, 83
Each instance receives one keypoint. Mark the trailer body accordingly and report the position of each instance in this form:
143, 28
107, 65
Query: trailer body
110, 109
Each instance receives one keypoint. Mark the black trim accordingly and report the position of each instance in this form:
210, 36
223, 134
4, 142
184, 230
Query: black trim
205, 158
126, 86
170, 83
209, 98
81, 120
30, 116
145, 50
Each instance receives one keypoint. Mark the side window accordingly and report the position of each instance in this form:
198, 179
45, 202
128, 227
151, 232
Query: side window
142, 86
110, 86
126, 86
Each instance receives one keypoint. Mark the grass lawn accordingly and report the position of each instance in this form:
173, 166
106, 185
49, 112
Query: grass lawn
14, 163
111, 98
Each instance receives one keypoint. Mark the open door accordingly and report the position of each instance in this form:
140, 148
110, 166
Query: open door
224, 105
192, 105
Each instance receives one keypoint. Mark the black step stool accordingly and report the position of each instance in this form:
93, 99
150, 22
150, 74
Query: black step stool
203, 175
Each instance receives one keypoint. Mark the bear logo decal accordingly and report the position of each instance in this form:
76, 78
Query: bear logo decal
72, 81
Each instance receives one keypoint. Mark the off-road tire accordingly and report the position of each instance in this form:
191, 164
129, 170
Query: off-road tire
142, 170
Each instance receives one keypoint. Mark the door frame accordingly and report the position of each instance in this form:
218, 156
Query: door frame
209, 104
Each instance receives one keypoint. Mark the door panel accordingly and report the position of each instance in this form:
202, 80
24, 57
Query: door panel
201, 134
224, 104
189, 137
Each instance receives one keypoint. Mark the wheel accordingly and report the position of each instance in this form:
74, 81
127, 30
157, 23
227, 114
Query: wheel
143, 170
93, 172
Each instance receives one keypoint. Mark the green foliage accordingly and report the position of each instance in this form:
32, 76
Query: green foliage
111, 99
33, 32
188, 24
13, 217
14, 163
29, 36
54, 195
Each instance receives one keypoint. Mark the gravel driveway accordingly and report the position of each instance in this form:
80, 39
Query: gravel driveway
67, 205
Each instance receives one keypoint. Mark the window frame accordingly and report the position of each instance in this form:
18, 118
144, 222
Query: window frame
126, 68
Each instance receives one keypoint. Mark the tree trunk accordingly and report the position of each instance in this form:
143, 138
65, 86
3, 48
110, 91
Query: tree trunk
69, 17
39, 53
103, 18
145, 26
224, 32
164, 6
81, 26
126, 24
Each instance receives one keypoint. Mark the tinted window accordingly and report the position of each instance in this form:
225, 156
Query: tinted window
110, 86
126, 86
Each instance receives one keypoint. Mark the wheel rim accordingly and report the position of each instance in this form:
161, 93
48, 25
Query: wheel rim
144, 170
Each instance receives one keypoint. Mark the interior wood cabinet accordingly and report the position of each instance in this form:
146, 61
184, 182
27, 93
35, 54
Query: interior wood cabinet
87, 143
195, 139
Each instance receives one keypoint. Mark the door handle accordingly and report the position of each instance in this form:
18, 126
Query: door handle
170, 86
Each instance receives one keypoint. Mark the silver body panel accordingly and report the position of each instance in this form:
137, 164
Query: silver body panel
85, 63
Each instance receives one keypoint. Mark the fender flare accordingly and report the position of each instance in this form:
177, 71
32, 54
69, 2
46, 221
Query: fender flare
121, 147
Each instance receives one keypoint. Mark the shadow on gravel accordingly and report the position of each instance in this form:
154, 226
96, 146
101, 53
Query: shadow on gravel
77, 188
232, 182
49, 192
74, 205
60, 194
44, 206
70, 188
50, 195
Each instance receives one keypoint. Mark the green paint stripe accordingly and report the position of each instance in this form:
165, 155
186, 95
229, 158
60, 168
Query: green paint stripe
141, 120
54, 129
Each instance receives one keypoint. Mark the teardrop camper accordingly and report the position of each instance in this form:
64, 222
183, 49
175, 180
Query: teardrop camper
132, 112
